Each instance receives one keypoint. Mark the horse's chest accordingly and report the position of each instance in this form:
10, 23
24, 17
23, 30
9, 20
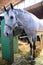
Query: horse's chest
29, 31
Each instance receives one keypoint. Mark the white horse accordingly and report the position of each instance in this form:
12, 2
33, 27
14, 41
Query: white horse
29, 22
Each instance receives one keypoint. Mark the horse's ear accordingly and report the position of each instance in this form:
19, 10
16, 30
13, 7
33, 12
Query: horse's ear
5, 8
11, 5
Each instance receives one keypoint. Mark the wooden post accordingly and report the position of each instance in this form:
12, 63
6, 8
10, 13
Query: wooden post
7, 45
15, 44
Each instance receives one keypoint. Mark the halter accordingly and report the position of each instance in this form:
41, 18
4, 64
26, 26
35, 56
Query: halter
10, 26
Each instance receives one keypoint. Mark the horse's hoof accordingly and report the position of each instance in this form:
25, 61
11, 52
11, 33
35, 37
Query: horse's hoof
33, 61
30, 57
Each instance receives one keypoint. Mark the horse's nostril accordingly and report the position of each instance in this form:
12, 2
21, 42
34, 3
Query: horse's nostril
11, 17
7, 34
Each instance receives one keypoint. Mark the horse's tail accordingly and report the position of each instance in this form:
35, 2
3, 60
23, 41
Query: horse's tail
41, 25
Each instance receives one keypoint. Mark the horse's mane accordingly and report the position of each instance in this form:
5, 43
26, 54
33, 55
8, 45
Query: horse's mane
21, 11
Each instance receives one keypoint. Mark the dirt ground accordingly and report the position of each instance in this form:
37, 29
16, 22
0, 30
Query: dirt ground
21, 57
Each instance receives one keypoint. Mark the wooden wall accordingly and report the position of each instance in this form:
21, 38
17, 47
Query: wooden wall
36, 9
7, 2
38, 12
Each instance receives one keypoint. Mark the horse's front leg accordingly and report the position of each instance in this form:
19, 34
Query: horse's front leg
30, 41
34, 46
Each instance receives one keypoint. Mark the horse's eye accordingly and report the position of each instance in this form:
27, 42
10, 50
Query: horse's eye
11, 17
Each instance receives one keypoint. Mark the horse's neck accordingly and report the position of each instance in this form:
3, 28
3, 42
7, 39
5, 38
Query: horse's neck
31, 17
18, 13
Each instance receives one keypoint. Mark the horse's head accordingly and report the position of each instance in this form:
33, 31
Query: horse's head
10, 21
